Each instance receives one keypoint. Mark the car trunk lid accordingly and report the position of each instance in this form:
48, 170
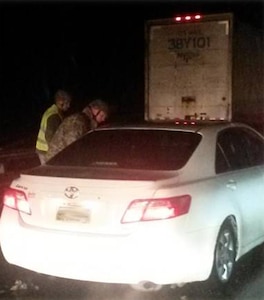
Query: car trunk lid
84, 201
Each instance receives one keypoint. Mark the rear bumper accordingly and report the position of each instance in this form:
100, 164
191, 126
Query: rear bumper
160, 257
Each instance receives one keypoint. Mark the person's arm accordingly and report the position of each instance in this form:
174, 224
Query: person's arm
53, 123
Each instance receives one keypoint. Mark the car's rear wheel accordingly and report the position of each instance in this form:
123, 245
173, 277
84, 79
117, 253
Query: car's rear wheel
224, 255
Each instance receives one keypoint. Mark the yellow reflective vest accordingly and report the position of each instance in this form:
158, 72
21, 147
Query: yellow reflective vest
42, 144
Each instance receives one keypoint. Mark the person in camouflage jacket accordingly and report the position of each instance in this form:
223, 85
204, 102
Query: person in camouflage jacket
76, 125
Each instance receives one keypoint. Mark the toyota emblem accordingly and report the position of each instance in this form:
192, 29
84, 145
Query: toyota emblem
71, 192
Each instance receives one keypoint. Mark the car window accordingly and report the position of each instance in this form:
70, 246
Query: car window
132, 149
238, 148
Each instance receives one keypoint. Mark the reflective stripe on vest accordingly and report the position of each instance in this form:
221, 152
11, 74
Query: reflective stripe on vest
42, 144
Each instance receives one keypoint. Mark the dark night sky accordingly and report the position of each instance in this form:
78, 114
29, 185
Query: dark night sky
94, 49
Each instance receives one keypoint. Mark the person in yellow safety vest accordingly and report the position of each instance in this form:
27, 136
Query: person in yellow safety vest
50, 121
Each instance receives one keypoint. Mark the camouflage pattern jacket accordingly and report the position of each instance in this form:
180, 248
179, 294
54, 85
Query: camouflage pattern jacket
71, 129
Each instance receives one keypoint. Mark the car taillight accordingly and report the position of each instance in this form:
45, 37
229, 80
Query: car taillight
17, 200
157, 209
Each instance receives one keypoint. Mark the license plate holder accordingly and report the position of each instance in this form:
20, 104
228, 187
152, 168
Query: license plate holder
73, 214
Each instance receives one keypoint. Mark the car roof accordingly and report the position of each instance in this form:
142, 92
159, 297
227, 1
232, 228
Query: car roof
191, 126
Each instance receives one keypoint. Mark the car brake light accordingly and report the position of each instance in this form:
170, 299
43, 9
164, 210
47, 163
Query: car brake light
157, 209
17, 200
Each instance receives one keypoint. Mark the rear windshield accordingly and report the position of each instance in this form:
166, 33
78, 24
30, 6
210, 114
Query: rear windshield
130, 149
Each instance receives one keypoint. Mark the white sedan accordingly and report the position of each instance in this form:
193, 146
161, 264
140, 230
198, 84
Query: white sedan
145, 205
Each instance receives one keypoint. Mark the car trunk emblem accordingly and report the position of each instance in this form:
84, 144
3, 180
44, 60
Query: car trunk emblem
71, 192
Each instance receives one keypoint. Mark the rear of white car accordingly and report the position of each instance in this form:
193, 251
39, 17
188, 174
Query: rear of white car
96, 237
109, 223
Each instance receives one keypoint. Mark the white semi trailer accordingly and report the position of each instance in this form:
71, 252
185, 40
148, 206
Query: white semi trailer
205, 68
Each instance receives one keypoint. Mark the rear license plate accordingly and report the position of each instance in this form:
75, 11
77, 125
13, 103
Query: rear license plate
73, 214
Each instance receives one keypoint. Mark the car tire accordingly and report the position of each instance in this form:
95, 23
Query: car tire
224, 256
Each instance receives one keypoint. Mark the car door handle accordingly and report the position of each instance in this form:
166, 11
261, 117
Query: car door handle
232, 185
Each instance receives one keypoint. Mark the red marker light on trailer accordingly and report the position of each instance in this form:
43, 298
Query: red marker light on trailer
188, 18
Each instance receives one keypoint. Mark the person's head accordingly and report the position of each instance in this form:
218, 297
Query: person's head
99, 110
62, 100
